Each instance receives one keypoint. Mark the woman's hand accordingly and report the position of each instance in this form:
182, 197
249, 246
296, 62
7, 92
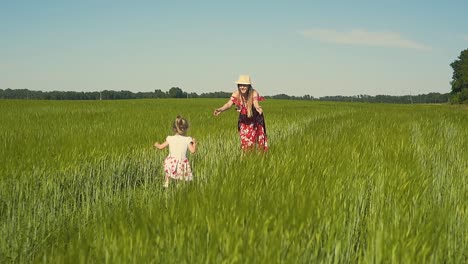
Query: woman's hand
259, 110
223, 108
217, 112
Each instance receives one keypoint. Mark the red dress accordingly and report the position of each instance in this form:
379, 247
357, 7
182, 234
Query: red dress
252, 130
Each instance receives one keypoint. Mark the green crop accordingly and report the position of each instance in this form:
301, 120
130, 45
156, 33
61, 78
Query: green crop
80, 182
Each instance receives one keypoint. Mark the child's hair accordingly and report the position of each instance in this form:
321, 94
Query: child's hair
180, 125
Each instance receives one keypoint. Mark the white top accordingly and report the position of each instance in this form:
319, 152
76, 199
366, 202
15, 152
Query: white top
178, 146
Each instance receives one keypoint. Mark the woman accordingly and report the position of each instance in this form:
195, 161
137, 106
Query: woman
251, 124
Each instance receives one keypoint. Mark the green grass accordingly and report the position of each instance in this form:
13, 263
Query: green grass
368, 183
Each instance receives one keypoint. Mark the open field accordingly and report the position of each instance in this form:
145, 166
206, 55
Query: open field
368, 183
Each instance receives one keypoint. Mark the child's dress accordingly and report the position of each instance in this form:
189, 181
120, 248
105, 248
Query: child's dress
176, 165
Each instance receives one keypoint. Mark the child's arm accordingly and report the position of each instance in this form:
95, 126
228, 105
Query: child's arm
192, 146
161, 146
226, 106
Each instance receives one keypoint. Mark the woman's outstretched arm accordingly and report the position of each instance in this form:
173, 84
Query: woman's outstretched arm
226, 106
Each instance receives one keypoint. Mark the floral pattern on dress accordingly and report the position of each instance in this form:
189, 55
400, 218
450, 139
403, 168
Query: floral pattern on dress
252, 130
178, 169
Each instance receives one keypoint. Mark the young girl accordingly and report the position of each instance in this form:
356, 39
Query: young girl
176, 165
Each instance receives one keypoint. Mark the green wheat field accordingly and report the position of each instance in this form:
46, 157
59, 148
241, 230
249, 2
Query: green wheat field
342, 183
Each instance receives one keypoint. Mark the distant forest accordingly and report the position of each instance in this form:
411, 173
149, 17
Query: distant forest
176, 92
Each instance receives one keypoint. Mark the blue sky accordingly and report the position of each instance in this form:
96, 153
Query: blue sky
295, 47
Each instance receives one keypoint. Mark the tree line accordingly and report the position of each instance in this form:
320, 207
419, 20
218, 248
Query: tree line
429, 98
176, 92
459, 93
